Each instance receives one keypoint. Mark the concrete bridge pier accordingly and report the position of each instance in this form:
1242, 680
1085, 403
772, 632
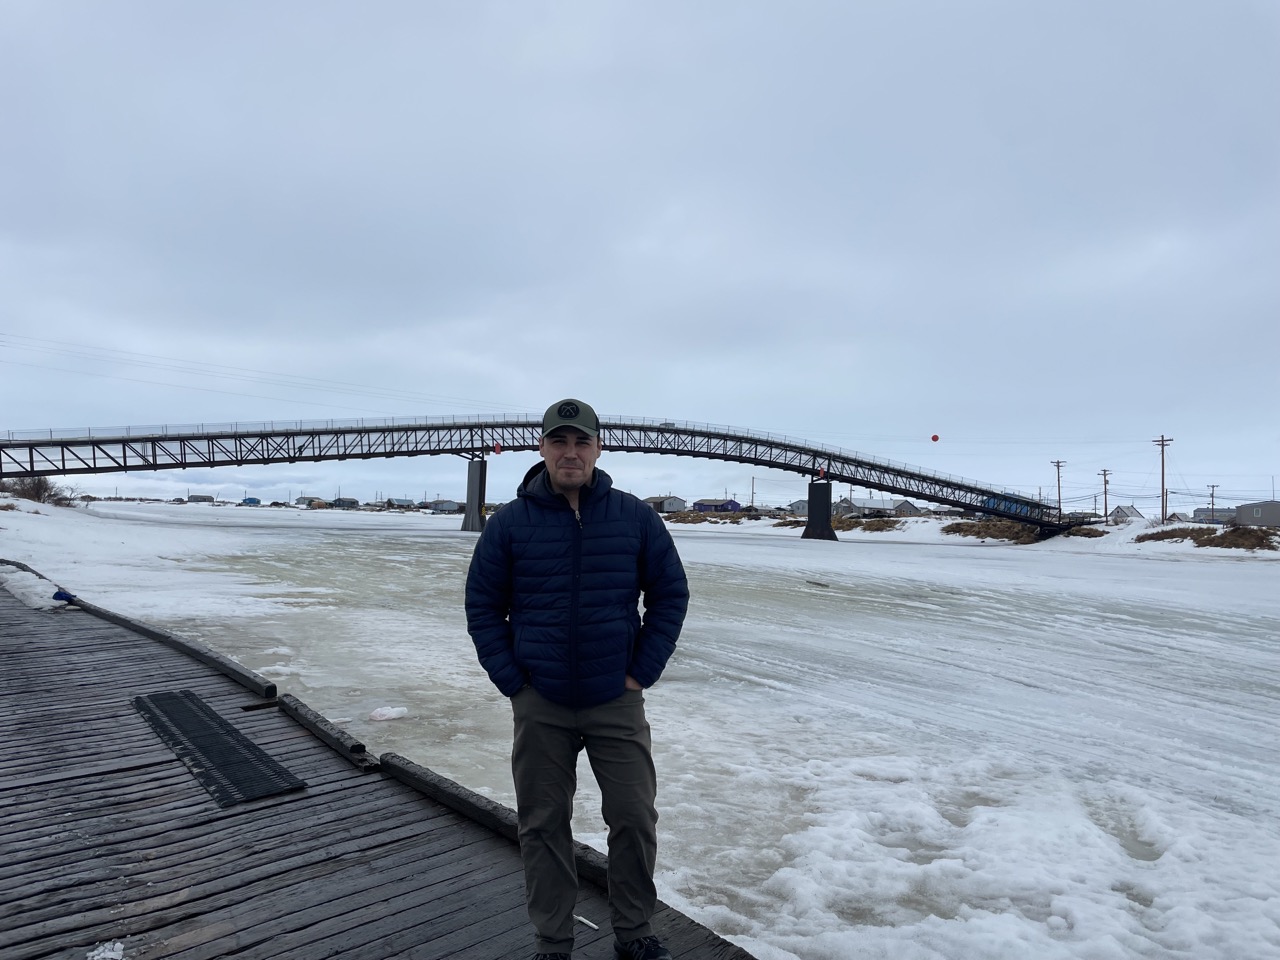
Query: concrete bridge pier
818, 525
473, 516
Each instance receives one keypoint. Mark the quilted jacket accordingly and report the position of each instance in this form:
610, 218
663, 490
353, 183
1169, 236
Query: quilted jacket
553, 595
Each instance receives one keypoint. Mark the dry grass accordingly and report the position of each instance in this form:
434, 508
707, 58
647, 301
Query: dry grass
881, 524
1197, 535
1232, 538
1010, 530
844, 524
1084, 532
8, 506
708, 516
1238, 538
1248, 538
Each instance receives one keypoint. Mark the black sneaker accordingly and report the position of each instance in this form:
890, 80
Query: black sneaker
643, 948
552, 956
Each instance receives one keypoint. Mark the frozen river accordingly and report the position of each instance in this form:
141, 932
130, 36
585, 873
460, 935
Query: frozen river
902, 746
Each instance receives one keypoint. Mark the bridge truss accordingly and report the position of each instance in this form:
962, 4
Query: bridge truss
70, 453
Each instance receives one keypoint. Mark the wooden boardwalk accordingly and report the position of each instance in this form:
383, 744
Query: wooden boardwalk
107, 838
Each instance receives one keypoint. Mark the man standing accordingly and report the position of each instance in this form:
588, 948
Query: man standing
553, 608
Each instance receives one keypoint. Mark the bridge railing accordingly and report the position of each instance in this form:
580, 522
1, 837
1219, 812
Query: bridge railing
61, 434
739, 432
73, 434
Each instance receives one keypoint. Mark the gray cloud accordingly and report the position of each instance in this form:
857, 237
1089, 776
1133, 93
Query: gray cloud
1012, 225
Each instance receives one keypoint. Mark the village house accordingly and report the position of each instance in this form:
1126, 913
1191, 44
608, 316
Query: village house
1124, 514
667, 504
442, 506
1263, 513
717, 506
858, 507
1214, 514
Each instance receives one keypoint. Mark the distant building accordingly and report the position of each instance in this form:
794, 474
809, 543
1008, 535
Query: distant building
394, 503
1214, 514
667, 504
443, 506
251, 502
344, 503
199, 498
857, 507
799, 507
304, 501
1082, 516
1180, 518
1264, 513
717, 506
1124, 514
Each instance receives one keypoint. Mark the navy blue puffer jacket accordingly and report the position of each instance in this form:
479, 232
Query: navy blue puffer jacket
553, 596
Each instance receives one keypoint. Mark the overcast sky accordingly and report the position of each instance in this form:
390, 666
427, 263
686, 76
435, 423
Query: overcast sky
1041, 231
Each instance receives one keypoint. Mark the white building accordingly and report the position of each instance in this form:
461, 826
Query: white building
1124, 514
667, 504
1264, 513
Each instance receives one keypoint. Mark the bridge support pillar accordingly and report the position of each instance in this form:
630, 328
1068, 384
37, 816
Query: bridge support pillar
818, 526
473, 516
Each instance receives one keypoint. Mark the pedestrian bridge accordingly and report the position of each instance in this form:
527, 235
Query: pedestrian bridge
70, 452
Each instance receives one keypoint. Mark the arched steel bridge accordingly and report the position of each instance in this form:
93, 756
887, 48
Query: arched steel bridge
72, 452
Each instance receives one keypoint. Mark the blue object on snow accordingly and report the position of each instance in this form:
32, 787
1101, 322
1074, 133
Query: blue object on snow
64, 596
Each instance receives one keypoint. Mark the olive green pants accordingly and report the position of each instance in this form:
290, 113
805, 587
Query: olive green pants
544, 764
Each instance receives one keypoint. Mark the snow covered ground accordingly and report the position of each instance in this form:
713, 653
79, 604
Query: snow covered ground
905, 746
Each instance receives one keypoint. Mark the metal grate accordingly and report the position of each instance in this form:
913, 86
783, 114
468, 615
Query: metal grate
227, 763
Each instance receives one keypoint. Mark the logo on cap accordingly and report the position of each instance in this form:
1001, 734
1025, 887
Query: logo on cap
567, 411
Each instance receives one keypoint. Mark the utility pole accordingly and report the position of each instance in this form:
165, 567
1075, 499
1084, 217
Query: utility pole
1212, 515
1164, 494
1058, 464
1104, 474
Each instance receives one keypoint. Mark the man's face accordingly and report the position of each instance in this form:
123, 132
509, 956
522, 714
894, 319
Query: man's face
570, 456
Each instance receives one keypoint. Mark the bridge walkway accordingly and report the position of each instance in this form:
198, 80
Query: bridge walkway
109, 838
63, 453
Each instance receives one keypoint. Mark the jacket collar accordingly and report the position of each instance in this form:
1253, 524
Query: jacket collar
536, 485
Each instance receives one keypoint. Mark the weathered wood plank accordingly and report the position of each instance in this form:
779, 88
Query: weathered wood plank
105, 835
344, 914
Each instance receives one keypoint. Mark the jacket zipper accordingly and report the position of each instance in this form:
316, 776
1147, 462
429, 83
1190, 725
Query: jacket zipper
575, 598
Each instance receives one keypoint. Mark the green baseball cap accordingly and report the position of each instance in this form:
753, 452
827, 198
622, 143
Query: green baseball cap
571, 413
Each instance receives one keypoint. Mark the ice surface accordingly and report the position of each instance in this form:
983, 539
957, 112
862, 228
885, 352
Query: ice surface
901, 746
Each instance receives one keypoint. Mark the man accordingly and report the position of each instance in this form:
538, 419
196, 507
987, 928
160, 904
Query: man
553, 608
